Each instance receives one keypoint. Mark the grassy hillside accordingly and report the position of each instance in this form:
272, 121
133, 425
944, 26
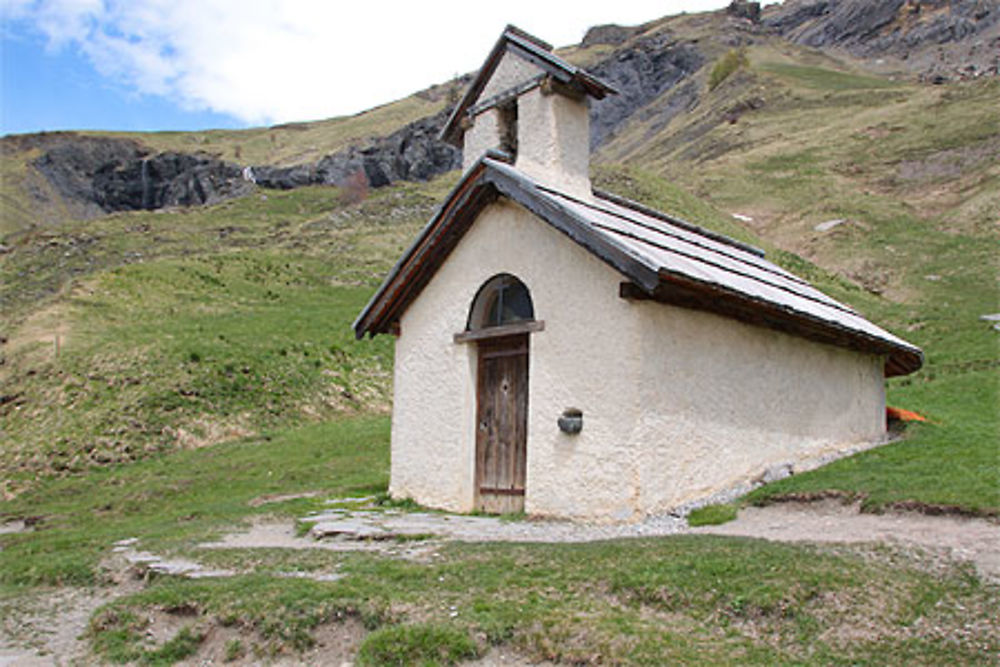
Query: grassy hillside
192, 327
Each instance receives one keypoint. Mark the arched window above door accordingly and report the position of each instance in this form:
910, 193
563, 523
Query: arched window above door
502, 305
503, 299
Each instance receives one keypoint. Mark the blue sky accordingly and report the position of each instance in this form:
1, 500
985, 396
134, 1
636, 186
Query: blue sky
196, 64
62, 90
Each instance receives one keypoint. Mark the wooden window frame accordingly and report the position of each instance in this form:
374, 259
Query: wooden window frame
528, 326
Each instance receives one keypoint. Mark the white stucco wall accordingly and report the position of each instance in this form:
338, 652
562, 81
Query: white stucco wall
483, 135
677, 404
511, 71
433, 431
731, 400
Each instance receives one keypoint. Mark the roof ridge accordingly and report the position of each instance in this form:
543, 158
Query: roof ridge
512, 29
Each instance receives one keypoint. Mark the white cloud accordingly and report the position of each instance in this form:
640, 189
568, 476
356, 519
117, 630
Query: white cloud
266, 61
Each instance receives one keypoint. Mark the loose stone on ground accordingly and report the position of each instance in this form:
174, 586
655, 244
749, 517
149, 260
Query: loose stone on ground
829, 224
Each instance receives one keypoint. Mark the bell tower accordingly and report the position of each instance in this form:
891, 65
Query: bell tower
533, 107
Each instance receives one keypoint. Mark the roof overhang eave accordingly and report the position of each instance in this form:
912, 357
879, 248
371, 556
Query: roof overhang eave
682, 290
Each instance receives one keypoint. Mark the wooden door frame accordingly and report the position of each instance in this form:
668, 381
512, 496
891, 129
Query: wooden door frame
488, 348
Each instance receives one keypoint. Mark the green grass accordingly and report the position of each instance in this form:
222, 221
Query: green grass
726, 65
355, 241
416, 645
712, 515
825, 79
190, 327
679, 599
190, 352
172, 501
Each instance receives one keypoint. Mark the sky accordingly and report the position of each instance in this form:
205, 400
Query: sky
198, 64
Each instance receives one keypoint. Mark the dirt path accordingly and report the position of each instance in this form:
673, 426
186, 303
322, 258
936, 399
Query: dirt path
974, 540
46, 630
46, 627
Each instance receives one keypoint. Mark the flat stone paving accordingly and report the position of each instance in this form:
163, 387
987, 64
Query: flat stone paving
380, 525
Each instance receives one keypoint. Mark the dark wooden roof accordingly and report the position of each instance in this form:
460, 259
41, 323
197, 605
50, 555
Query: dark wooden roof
534, 51
660, 258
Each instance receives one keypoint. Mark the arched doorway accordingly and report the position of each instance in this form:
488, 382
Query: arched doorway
498, 319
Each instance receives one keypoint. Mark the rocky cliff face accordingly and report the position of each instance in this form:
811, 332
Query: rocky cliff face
886, 26
105, 175
939, 38
642, 73
101, 175
410, 154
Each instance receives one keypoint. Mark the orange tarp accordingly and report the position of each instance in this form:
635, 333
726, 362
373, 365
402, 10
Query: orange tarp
903, 415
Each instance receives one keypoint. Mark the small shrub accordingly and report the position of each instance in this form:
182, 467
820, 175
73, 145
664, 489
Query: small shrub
712, 515
115, 634
383, 499
354, 189
417, 644
234, 650
183, 645
726, 65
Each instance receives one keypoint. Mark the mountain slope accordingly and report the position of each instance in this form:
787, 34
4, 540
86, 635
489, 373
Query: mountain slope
882, 188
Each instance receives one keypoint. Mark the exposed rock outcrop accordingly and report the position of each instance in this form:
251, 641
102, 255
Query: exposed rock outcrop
107, 175
641, 74
744, 9
607, 34
413, 153
970, 29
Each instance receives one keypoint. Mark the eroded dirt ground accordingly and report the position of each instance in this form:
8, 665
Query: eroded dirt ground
47, 628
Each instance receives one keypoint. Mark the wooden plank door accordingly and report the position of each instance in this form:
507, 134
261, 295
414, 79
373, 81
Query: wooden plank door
502, 424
